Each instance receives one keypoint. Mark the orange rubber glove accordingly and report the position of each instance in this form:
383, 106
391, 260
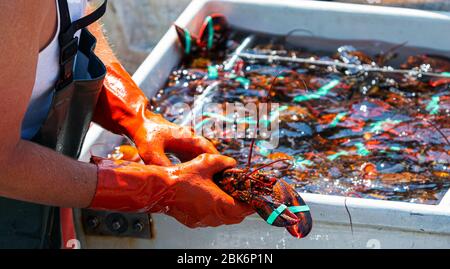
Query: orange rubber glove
122, 108
185, 191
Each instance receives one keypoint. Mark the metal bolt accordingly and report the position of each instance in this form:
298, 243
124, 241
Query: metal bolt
116, 225
138, 226
93, 222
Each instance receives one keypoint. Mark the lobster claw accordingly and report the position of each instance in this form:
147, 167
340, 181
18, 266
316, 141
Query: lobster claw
188, 41
214, 31
274, 213
213, 35
288, 196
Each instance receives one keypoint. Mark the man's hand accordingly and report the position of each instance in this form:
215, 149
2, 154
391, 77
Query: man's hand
185, 191
157, 135
123, 109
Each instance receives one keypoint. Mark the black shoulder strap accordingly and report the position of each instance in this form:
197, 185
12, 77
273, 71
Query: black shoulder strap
68, 43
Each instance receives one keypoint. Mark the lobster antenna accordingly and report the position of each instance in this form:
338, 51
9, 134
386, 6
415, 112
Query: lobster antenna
257, 121
390, 50
257, 127
437, 129
291, 32
252, 144
266, 165
430, 123
275, 79
250, 153
249, 161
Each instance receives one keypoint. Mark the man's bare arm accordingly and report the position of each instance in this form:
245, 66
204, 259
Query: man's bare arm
28, 171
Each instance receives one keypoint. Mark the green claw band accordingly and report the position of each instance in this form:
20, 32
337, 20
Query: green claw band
282, 207
188, 39
299, 208
243, 81
276, 213
210, 32
212, 72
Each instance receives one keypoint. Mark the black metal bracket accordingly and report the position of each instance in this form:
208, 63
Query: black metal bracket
117, 224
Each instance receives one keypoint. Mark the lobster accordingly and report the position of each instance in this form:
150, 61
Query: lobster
273, 199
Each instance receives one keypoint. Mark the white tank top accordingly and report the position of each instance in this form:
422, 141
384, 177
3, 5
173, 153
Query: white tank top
47, 73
